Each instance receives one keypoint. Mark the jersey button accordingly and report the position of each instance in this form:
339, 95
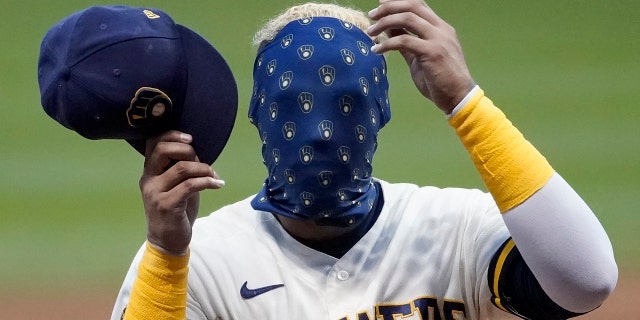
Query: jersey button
343, 275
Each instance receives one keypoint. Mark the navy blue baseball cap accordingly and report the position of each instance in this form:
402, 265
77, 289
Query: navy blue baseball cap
119, 72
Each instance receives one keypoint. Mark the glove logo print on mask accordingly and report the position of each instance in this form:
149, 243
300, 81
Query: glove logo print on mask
273, 111
271, 67
305, 52
305, 100
346, 105
285, 80
327, 75
307, 199
326, 129
376, 75
364, 49
348, 56
344, 154
361, 133
305, 21
290, 175
319, 89
364, 86
324, 178
289, 130
347, 25
306, 154
286, 41
326, 33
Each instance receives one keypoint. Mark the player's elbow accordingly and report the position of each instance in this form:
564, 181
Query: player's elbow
591, 290
606, 282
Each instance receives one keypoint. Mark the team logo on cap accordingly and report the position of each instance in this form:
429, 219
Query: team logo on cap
150, 14
147, 104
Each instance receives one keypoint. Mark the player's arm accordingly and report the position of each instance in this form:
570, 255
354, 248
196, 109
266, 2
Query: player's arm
170, 183
570, 268
519, 178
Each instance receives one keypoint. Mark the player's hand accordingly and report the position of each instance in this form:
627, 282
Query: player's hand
429, 45
170, 186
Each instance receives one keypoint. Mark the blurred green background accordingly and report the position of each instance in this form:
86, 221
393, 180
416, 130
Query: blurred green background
565, 72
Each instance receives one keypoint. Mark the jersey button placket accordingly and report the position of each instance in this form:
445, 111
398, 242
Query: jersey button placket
343, 275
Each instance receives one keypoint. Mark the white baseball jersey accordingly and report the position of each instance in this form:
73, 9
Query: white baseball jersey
426, 257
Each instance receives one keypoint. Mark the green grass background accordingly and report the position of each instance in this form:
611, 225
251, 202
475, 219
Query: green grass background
565, 72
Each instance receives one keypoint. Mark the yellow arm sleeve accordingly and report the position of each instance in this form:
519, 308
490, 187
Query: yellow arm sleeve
510, 166
160, 291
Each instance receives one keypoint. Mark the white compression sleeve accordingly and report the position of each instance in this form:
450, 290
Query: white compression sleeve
564, 245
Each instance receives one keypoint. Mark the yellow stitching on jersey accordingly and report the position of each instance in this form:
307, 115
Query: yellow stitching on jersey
496, 276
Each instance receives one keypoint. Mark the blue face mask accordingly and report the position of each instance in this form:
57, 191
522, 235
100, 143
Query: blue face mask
320, 97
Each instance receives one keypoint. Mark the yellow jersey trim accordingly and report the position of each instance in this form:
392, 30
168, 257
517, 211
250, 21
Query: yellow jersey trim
496, 272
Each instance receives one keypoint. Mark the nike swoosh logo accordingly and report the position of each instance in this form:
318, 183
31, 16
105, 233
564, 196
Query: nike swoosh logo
247, 293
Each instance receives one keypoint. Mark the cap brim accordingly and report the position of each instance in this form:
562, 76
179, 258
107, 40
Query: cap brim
211, 103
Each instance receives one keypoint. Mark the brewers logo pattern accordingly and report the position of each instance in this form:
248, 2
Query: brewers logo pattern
319, 131
147, 105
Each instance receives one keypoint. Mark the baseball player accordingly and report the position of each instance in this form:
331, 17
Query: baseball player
323, 238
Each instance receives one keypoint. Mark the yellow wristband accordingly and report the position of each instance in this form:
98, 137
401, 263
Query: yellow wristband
160, 290
510, 166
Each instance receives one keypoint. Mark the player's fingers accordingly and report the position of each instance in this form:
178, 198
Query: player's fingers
401, 23
165, 154
183, 171
168, 136
413, 17
418, 7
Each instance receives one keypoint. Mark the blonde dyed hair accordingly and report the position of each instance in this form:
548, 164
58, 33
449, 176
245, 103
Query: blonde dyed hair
308, 10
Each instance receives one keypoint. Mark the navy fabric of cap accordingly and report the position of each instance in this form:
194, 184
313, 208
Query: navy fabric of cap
320, 97
119, 72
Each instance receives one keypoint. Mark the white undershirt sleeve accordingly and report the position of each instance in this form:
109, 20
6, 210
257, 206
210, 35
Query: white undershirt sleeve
565, 246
